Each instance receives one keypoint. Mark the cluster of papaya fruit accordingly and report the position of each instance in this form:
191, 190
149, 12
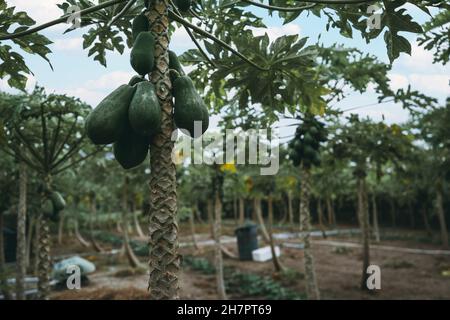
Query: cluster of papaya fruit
130, 116
304, 148
53, 204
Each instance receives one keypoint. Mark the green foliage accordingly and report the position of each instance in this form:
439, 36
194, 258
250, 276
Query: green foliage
437, 37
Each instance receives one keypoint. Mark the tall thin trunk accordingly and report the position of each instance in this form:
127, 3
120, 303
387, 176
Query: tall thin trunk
198, 213
235, 210
3, 283
376, 229
312, 288
137, 225
320, 212
131, 257
31, 224
210, 212
21, 249
276, 261
241, 210
163, 226
93, 214
259, 216
363, 214
192, 226
37, 236
290, 211
78, 235
218, 247
441, 216
330, 212
44, 259
61, 227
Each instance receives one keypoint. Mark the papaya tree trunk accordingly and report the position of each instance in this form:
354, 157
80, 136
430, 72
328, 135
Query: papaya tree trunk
192, 226
30, 234
78, 235
21, 249
235, 210
363, 214
61, 227
276, 261
137, 225
210, 212
218, 247
44, 259
320, 212
198, 213
441, 216
290, 211
94, 243
312, 289
330, 212
4, 289
129, 253
241, 211
376, 229
259, 216
163, 227
37, 236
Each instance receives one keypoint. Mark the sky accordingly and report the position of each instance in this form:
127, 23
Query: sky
78, 75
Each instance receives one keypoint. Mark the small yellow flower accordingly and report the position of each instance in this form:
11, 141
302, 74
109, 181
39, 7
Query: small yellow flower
228, 167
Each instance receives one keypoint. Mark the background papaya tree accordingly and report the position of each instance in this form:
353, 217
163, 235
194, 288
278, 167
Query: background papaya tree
222, 23
46, 133
436, 133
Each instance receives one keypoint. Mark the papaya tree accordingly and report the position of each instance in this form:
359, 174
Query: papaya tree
224, 23
46, 134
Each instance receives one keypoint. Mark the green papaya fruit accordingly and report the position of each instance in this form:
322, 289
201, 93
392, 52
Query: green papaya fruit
142, 55
175, 64
297, 145
189, 107
135, 80
140, 24
308, 139
58, 201
107, 122
47, 208
145, 112
131, 149
309, 152
183, 5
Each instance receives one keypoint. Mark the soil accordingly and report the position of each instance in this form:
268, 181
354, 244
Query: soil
403, 275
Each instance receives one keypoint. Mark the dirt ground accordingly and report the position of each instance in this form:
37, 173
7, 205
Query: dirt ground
403, 275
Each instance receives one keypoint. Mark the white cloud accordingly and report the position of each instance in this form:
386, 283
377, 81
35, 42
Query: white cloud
110, 80
40, 11
398, 81
276, 32
432, 83
69, 44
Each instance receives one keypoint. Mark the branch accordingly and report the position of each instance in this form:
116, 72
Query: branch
276, 8
45, 138
63, 19
78, 161
208, 35
55, 137
189, 32
69, 133
29, 146
121, 13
